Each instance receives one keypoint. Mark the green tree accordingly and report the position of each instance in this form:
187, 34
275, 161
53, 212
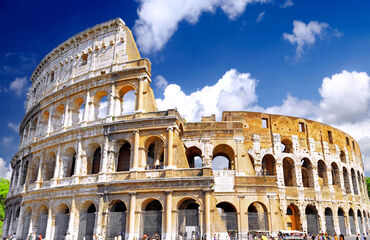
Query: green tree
4, 189
368, 185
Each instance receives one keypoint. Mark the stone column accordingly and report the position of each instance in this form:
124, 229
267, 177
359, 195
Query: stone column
135, 158
207, 213
167, 234
131, 222
170, 148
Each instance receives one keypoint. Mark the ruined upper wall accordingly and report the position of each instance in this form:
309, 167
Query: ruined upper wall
101, 49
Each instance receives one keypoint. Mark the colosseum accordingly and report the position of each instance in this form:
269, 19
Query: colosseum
92, 161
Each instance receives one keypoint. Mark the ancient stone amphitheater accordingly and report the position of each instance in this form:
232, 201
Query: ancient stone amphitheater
93, 161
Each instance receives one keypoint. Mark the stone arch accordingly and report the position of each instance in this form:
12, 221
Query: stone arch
346, 180
223, 157
257, 217
342, 156
77, 110
354, 181
269, 165
342, 221
100, 101
286, 146
61, 221
124, 157
322, 173
352, 223
154, 147
229, 217
69, 162
152, 218
329, 221
312, 219
188, 216
116, 219
293, 217
194, 157
127, 96
58, 117
49, 166
34, 169
307, 173
87, 220
289, 172
335, 174
42, 220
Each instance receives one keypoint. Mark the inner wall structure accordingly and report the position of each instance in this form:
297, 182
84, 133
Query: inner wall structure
97, 157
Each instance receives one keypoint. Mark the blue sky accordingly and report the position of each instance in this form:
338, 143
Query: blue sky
303, 58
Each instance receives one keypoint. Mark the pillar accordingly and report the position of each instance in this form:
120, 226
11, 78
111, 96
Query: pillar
207, 213
170, 148
168, 231
135, 158
131, 221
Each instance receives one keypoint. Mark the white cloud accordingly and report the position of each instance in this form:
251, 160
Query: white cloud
19, 86
234, 91
305, 35
260, 16
14, 127
5, 169
287, 3
160, 82
159, 19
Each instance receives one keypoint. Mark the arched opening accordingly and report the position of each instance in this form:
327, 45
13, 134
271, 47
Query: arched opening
257, 217
152, 220
223, 158
307, 173
354, 181
229, 217
268, 165
127, 100
346, 180
100, 105
124, 157
58, 117
342, 156
286, 146
69, 162
188, 219
61, 222
312, 220
96, 161
342, 221
87, 221
78, 108
335, 174
293, 218
155, 153
117, 220
49, 166
42, 221
329, 221
352, 224
322, 173
26, 223
194, 156
359, 221
289, 172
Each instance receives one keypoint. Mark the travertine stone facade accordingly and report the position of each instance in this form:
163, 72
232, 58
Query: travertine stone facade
86, 166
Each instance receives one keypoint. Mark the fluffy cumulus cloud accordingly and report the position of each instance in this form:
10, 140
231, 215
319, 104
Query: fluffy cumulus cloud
5, 169
19, 86
305, 35
344, 102
158, 19
234, 91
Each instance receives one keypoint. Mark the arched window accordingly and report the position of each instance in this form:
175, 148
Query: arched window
346, 180
87, 221
268, 165
124, 158
117, 220
61, 222
223, 158
257, 217
229, 218
96, 161
188, 216
152, 220
293, 217
289, 172
312, 220
335, 174
329, 221
354, 181
342, 221
155, 153
42, 221
307, 173
194, 156
286, 146
49, 167
322, 173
